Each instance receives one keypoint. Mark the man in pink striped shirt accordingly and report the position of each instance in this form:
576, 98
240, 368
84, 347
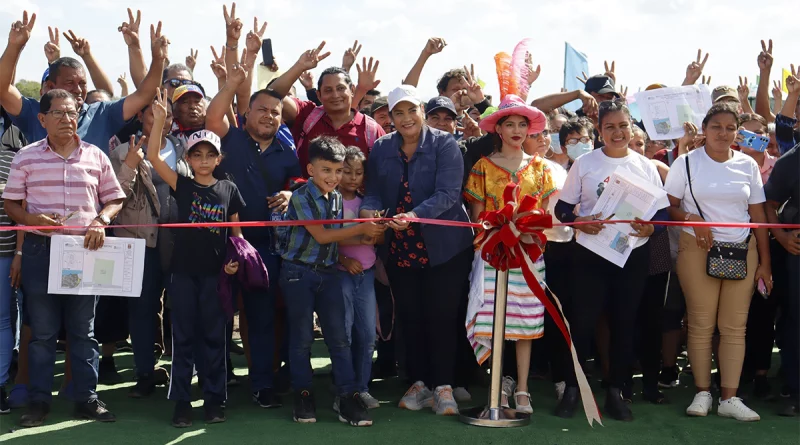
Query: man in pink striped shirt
65, 182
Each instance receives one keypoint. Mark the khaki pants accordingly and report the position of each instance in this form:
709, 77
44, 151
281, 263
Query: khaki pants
710, 303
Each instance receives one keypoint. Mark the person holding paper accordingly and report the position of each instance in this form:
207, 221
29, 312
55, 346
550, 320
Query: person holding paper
597, 283
82, 191
716, 183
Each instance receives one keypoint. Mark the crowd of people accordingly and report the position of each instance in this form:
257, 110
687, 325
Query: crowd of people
418, 294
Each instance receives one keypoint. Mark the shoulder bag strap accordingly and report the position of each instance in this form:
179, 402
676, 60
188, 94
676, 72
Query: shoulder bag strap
689, 179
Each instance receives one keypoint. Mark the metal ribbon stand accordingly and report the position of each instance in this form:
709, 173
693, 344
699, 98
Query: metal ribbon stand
494, 415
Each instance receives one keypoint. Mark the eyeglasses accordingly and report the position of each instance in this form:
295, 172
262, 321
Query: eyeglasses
175, 83
573, 141
59, 114
544, 134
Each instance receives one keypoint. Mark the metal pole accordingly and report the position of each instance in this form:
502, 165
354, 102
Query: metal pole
494, 415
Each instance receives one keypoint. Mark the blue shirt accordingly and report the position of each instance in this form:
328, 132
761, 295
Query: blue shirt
97, 123
784, 133
285, 135
257, 174
435, 176
308, 203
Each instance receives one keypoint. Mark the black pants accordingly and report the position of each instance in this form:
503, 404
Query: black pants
649, 330
428, 302
790, 326
760, 334
557, 261
598, 285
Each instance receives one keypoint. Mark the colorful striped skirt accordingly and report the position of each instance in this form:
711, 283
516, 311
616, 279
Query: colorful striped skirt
524, 311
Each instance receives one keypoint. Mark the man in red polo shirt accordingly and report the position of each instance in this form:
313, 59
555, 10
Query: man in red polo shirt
336, 116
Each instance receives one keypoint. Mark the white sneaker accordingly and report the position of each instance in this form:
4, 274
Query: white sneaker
462, 395
417, 397
443, 402
701, 404
735, 408
560, 387
509, 387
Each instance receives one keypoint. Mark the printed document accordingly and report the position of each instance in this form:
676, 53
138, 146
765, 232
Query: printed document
625, 197
665, 110
116, 269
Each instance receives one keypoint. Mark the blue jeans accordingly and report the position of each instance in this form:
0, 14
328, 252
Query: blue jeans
359, 322
143, 314
6, 330
308, 290
44, 312
259, 308
198, 328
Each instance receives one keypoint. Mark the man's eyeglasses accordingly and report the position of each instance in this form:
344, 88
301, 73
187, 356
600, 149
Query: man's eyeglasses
175, 83
573, 141
543, 134
59, 114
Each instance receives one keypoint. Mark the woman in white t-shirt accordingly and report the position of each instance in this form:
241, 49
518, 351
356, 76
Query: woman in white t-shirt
727, 186
597, 284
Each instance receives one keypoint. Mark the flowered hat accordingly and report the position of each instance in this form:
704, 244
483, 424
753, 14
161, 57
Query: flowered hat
513, 105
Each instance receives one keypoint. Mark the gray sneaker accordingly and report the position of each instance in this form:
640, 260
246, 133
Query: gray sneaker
369, 401
336, 404
417, 397
462, 395
443, 402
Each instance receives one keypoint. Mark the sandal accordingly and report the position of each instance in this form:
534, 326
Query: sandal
526, 409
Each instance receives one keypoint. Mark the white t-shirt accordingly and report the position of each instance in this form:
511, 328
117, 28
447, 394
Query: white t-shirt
562, 234
724, 190
589, 174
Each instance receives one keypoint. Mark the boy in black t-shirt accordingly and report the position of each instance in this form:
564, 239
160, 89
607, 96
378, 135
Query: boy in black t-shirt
198, 321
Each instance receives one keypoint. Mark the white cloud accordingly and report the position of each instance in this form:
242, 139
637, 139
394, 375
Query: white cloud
651, 41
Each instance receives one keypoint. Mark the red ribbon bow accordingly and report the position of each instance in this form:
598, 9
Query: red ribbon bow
513, 238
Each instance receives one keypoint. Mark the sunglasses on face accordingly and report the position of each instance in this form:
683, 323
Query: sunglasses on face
175, 83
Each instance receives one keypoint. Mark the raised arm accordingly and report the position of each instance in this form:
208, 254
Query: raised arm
130, 32
52, 50
216, 119
366, 79
253, 44
143, 95
233, 30
762, 94
154, 156
552, 101
793, 87
20, 33
350, 56
434, 45
307, 61
695, 69
744, 95
82, 49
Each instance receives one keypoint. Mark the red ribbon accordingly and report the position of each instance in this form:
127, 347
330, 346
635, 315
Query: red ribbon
512, 238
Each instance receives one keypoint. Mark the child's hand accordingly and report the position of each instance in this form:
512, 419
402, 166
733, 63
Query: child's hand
369, 240
232, 267
372, 230
351, 265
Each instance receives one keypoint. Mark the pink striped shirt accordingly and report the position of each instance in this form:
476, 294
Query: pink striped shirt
82, 183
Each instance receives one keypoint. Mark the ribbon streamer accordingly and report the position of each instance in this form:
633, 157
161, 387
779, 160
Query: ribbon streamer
512, 238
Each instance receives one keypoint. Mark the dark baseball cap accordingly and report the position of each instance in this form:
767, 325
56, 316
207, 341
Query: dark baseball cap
437, 103
601, 84
379, 103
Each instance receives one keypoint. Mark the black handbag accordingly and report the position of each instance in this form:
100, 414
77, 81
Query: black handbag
726, 261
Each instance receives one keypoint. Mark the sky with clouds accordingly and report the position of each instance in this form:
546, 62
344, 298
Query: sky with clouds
650, 40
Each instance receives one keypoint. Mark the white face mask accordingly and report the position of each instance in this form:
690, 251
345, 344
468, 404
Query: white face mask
575, 151
555, 143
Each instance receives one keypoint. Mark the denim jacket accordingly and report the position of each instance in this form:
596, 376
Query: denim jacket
435, 171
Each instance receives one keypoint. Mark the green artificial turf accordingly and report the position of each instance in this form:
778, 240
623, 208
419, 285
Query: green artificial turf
144, 422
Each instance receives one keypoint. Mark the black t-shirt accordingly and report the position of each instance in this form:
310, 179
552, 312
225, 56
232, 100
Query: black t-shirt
201, 251
784, 186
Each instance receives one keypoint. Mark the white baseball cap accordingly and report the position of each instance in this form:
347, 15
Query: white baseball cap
204, 136
403, 93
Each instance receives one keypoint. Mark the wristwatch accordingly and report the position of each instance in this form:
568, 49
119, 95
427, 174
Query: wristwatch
18, 252
104, 219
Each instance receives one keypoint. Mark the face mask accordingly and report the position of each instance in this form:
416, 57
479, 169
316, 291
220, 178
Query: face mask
555, 143
574, 151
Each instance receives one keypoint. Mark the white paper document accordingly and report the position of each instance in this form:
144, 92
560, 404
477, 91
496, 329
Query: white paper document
664, 111
116, 269
625, 197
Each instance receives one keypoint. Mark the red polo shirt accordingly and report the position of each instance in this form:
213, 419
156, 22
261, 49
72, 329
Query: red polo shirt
352, 133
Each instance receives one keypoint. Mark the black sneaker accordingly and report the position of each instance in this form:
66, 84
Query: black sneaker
160, 376
266, 398
615, 406
352, 410
107, 372
305, 410
761, 388
569, 402
94, 410
215, 412
124, 346
144, 386
182, 416
35, 414
669, 378
4, 408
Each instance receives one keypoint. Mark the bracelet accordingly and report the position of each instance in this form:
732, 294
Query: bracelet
232, 48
